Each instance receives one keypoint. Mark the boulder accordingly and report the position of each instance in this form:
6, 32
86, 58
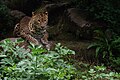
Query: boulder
62, 18
55, 11
78, 24
18, 15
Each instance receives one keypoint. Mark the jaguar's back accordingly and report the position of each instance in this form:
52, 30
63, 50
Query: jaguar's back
31, 24
22, 26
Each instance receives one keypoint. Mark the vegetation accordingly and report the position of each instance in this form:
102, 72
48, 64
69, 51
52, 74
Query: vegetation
106, 44
97, 73
37, 63
107, 47
107, 41
105, 11
21, 64
18, 64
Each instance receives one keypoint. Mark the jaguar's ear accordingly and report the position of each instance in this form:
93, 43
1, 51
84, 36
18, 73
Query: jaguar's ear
33, 13
46, 12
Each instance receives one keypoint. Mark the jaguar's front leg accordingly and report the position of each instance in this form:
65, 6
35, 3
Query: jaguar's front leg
29, 38
45, 42
44, 39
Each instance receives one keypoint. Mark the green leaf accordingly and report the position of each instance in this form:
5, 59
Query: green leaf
3, 56
110, 52
92, 45
38, 51
100, 39
92, 71
31, 45
19, 40
97, 51
104, 54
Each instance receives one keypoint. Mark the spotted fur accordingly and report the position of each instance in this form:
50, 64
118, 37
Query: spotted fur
33, 29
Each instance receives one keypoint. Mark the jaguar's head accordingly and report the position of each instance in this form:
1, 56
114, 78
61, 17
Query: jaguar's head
39, 20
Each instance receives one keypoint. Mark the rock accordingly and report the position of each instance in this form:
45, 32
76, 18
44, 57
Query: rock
79, 25
64, 21
18, 15
69, 20
11, 39
78, 19
55, 10
56, 6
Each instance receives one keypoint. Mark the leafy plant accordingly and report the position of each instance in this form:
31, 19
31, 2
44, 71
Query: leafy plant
99, 73
40, 64
37, 65
115, 63
107, 47
106, 44
105, 11
13, 52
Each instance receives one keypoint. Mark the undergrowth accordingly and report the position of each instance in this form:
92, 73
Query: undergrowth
107, 47
17, 63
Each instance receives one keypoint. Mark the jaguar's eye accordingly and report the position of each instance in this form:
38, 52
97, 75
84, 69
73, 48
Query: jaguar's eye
39, 20
44, 20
